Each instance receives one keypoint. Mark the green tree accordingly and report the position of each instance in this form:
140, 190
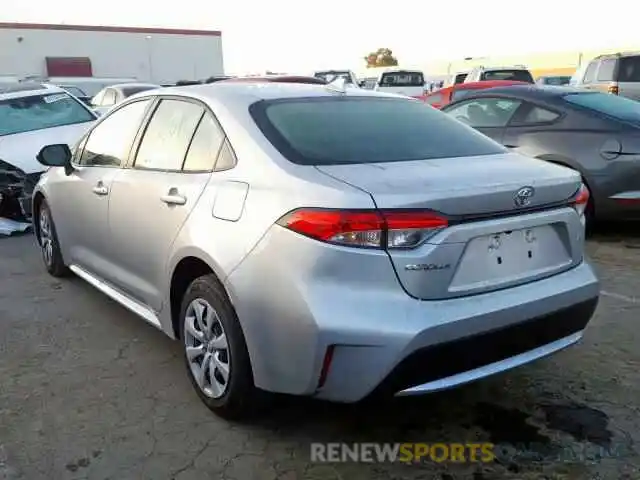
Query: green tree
383, 57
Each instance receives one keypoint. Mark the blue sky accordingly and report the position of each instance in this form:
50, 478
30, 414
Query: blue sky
296, 36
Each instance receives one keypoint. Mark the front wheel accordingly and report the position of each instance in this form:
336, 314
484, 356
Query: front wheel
49, 244
215, 351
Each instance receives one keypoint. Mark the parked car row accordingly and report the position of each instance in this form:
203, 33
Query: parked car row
405, 251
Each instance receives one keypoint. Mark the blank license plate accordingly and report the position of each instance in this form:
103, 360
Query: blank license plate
509, 256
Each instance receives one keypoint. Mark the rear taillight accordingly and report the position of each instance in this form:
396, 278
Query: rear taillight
613, 89
365, 228
581, 199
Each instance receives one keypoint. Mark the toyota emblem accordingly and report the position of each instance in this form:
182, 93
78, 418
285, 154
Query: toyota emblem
523, 196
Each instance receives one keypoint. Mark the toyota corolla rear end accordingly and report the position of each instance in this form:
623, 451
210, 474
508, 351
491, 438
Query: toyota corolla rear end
466, 261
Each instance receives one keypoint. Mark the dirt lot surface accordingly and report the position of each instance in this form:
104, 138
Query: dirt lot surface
88, 391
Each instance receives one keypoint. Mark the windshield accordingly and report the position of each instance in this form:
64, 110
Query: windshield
332, 75
620, 108
510, 74
402, 79
128, 91
75, 91
37, 112
353, 130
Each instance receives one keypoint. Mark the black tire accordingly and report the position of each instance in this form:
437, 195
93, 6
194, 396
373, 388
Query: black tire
241, 399
49, 244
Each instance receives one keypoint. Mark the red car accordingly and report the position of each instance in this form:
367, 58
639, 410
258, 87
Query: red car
444, 96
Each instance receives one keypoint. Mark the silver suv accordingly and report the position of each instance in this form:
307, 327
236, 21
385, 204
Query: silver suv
618, 73
319, 241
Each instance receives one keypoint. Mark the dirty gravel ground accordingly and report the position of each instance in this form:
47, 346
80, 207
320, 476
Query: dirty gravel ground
88, 391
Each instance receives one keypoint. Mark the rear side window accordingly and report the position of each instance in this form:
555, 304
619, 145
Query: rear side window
205, 146
168, 135
402, 79
356, 130
606, 70
629, 69
512, 74
614, 106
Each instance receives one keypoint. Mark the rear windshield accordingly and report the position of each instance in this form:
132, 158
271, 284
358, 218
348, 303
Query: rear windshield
128, 91
510, 74
402, 79
354, 130
462, 92
620, 108
37, 112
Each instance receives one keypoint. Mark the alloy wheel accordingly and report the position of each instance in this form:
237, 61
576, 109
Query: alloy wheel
206, 348
46, 237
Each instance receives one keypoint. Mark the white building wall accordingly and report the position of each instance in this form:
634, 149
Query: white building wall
155, 57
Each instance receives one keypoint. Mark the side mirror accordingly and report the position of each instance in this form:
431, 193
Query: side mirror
58, 155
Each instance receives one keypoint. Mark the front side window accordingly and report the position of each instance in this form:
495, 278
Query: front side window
356, 130
614, 106
110, 141
37, 112
402, 79
168, 134
590, 72
485, 112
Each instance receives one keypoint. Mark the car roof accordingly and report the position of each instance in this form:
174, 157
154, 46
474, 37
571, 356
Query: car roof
529, 91
277, 78
246, 93
133, 84
24, 89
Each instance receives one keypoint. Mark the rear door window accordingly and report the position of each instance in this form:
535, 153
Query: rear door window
355, 129
629, 69
168, 135
606, 70
205, 146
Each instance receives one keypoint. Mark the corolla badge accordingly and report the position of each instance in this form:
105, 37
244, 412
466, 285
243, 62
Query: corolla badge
523, 196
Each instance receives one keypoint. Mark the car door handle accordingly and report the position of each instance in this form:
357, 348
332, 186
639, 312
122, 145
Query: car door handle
511, 146
100, 189
173, 198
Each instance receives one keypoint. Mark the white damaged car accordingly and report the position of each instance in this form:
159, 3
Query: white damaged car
33, 115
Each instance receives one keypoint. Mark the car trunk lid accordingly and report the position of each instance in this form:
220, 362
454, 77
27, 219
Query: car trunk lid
509, 221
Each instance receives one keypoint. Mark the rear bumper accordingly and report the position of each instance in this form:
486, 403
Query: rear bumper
382, 339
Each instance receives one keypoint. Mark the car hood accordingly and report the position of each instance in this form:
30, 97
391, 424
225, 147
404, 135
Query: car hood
21, 149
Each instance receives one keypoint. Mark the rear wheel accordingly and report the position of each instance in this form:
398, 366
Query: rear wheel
215, 351
49, 245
